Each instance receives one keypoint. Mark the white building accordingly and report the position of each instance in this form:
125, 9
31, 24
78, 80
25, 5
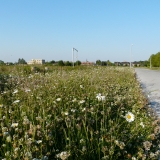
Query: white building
36, 61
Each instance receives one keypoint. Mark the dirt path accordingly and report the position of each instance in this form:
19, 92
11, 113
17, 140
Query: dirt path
150, 81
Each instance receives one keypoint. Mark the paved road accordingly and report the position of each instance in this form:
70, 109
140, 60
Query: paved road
150, 81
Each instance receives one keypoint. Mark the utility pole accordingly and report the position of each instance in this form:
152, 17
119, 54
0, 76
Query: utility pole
131, 56
150, 62
73, 55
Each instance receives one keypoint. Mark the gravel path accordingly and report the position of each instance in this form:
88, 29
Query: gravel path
150, 81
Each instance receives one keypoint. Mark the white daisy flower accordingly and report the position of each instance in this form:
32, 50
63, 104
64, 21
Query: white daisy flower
129, 117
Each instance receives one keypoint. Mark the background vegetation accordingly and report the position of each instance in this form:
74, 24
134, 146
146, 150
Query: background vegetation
155, 60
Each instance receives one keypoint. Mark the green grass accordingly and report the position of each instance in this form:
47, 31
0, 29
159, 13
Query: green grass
75, 114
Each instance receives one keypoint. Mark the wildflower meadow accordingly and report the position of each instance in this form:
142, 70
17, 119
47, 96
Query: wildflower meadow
81, 113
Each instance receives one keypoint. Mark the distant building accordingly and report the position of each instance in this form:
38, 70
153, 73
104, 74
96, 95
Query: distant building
118, 63
121, 63
87, 63
125, 63
36, 61
137, 64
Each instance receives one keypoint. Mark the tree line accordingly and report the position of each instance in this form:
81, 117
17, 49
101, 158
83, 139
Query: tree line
155, 62
63, 63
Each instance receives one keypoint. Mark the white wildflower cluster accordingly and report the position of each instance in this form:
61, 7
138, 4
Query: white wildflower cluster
73, 110
84, 148
147, 145
66, 113
82, 101
100, 97
84, 109
25, 120
82, 141
74, 100
63, 155
120, 144
142, 124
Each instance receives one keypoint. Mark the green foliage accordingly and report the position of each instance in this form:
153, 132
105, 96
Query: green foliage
155, 59
52, 62
49, 63
60, 63
78, 63
109, 63
67, 63
2, 62
3, 81
104, 63
21, 61
76, 114
98, 62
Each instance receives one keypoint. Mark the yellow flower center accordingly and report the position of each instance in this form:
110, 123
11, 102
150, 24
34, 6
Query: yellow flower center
129, 116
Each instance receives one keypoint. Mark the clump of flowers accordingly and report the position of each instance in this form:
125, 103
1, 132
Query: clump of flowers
100, 97
63, 155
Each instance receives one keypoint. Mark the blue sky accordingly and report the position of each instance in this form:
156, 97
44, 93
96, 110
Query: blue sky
98, 29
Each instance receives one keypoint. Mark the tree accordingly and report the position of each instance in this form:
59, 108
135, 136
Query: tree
103, 63
52, 62
60, 63
109, 63
155, 59
67, 63
78, 63
98, 62
21, 61
1, 62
